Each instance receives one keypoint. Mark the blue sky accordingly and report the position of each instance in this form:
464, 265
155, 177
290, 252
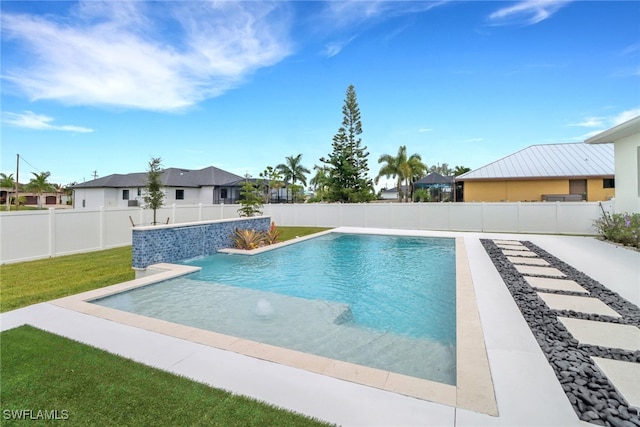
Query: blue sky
104, 86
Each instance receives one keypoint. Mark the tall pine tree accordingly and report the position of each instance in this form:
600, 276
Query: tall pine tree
348, 179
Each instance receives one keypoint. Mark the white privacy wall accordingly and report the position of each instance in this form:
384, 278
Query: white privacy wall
40, 234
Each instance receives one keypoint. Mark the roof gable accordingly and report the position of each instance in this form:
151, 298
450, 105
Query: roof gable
171, 177
549, 161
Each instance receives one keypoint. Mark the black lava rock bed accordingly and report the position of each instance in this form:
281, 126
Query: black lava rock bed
590, 392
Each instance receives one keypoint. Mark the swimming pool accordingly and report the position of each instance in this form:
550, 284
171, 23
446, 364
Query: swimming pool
387, 302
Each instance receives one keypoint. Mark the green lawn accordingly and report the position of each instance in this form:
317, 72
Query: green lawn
31, 282
41, 371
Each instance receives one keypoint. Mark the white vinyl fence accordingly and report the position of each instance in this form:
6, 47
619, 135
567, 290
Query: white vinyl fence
40, 234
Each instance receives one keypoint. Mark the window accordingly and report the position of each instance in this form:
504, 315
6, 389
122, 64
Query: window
139, 191
608, 183
179, 194
223, 193
125, 194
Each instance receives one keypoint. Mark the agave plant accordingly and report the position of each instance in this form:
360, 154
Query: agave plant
270, 237
247, 239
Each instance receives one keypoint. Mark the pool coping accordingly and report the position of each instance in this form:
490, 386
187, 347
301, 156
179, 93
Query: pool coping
474, 389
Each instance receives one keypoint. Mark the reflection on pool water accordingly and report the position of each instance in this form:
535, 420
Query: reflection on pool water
387, 302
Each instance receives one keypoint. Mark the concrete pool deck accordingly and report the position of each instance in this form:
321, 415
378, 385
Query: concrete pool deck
526, 389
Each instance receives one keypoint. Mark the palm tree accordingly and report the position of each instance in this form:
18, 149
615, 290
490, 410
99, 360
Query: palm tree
459, 170
402, 168
442, 169
415, 170
7, 181
293, 170
393, 168
320, 182
39, 185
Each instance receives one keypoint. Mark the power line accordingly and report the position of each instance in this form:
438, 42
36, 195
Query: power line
25, 160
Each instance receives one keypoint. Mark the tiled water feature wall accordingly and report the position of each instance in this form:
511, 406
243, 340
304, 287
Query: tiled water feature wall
176, 242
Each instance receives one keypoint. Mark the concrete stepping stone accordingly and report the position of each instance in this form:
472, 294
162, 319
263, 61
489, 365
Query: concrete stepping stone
625, 377
538, 271
513, 247
580, 304
555, 284
509, 252
508, 242
527, 260
605, 334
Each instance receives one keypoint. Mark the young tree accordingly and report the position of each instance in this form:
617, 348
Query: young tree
348, 179
250, 199
7, 181
292, 170
270, 179
39, 185
154, 196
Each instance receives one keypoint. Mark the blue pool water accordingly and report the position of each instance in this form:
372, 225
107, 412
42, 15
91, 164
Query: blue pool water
382, 301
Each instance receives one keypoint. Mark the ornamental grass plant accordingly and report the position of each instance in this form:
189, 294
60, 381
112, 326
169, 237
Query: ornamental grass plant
623, 228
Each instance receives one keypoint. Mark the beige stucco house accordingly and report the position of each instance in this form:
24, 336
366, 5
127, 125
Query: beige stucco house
545, 172
626, 140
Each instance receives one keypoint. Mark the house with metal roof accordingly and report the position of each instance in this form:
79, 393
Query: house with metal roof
181, 186
625, 138
546, 172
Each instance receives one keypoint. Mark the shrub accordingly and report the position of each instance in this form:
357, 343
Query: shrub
271, 236
620, 228
247, 239
251, 239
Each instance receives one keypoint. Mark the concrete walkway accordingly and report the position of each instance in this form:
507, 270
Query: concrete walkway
526, 389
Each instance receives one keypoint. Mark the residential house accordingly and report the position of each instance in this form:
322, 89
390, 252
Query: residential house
626, 141
547, 172
439, 187
181, 186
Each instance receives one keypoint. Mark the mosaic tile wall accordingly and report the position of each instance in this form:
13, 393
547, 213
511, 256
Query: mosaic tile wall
172, 244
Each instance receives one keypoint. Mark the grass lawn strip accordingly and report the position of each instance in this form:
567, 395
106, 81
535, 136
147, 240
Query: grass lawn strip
41, 371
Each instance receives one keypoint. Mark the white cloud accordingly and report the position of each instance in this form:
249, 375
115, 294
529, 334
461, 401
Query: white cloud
589, 122
604, 123
474, 140
625, 116
527, 12
334, 48
31, 120
121, 55
423, 130
339, 15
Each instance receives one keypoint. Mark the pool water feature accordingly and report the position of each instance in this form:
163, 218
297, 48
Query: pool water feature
386, 302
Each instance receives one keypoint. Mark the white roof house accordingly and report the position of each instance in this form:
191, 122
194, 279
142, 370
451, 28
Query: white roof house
626, 140
549, 161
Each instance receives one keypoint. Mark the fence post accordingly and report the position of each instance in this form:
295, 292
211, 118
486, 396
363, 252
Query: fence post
482, 216
518, 217
52, 232
557, 227
200, 211
173, 213
102, 228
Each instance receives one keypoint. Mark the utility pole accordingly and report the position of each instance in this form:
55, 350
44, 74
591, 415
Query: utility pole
17, 179
95, 174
